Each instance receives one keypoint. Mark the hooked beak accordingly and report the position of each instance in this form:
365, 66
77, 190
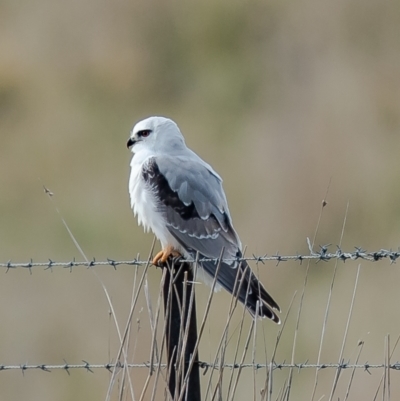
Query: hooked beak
130, 143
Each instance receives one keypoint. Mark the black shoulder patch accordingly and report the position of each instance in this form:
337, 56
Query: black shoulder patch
169, 198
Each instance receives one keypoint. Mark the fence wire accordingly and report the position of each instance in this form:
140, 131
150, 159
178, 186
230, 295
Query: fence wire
322, 255
89, 367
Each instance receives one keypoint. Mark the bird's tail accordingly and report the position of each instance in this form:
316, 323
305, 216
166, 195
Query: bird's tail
242, 283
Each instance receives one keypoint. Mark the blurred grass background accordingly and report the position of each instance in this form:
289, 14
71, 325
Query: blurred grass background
279, 97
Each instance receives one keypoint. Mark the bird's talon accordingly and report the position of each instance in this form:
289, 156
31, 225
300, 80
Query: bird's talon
164, 254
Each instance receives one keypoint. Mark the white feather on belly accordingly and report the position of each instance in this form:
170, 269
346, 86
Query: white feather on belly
144, 206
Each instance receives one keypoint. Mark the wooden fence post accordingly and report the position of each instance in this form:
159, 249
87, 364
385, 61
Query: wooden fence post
181, 330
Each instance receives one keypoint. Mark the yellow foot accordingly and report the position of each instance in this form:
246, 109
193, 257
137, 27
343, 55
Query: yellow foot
164, 254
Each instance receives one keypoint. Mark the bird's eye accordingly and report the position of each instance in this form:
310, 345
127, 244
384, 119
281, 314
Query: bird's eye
144, 133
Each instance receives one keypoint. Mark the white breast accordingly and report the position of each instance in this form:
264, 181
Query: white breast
144, 204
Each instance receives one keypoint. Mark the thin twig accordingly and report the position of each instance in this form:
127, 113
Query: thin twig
311, 246
336, 379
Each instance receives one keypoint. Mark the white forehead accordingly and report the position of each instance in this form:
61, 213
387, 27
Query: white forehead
152, 123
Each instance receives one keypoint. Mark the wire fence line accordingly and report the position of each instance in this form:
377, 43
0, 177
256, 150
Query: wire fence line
89, 367
322, 255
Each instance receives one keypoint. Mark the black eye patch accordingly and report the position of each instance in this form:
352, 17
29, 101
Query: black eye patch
144, 133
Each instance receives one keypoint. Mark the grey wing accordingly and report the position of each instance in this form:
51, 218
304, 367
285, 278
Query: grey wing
193, 203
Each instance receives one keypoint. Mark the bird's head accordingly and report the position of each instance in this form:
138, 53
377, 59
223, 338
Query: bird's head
155, 134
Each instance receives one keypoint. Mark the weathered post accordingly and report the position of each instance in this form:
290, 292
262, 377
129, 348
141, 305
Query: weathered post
181, 330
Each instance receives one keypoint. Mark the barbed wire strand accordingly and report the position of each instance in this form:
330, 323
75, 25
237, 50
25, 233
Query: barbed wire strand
204, 365
323, 255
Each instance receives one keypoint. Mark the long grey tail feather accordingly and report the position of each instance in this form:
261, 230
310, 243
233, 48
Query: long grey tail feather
245, 285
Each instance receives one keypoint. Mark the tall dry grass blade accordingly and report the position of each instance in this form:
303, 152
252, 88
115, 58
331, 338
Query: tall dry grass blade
361, 346
239, 327
52, 199
180, 352
388, 366
219, 359
153, 350
234, 301
338, 371
253, 356
223, 344
232, 306
281, 392
268, 387
154, 326
154, 354
263, 391
74, 240
244, 353
386, 383
221, 348
124, 351
296, 331
144, 389
237, 288
285, 390
121, 387
123, 338
147, 297
324, 325
384, 370
125, 370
